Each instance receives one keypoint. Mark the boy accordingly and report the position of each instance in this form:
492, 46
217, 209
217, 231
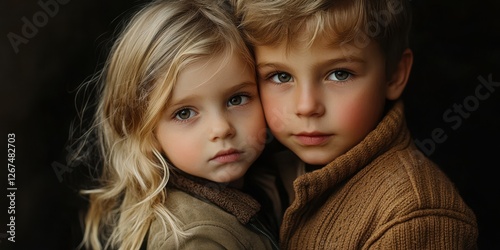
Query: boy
331, 74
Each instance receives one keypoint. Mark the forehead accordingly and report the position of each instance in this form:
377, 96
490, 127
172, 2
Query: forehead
202, 76
321, 48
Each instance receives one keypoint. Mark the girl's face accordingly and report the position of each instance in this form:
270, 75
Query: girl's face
213, 126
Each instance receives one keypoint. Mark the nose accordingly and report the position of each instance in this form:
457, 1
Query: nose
309, 101
220, 127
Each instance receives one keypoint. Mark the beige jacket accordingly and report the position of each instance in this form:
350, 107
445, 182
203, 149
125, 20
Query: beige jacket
215, 216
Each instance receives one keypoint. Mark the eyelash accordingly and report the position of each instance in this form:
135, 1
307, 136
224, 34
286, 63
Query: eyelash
248, 96
276, 74
350, 75
176, 113
269, 77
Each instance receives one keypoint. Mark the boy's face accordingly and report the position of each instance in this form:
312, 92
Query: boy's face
213, 126
322, 100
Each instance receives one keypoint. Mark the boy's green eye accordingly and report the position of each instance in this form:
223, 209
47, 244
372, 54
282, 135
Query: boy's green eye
281, 77
339, 75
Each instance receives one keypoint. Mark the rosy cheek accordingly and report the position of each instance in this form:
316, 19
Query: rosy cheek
181, 152
275, 117
350, 118
279, 110
258, 136
359, 117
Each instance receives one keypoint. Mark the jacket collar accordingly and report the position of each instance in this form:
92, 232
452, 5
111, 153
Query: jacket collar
232, 200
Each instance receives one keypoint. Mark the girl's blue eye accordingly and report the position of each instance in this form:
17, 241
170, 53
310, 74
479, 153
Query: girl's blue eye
184, 114
238, 100
339, 75
281, 77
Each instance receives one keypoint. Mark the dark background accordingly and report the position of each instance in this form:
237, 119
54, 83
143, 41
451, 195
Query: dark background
455, 44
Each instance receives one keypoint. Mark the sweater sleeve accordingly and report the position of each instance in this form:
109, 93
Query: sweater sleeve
429, 231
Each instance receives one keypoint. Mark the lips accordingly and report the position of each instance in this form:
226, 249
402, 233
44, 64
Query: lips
227, 156
312, 138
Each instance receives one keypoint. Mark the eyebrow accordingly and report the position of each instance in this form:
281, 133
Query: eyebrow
241, 86
351, 59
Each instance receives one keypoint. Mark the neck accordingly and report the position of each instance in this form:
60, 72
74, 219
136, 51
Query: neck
238, 184
310, 167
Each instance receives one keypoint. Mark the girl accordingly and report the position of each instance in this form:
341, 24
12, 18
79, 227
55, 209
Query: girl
179, 122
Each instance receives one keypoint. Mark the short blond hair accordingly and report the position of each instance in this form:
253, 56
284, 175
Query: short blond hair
344, 22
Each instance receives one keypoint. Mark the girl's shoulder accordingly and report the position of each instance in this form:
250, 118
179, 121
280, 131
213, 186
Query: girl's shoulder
188, 208
205, 224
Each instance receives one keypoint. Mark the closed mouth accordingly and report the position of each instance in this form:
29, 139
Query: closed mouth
226, 156
312, 138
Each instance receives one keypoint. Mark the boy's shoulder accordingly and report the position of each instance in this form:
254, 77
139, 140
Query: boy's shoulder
414, 179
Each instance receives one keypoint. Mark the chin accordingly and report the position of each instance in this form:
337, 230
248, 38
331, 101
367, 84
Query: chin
229, 177
315, 159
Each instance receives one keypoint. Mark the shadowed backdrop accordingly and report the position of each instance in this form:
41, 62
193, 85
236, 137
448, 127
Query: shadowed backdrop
49, 47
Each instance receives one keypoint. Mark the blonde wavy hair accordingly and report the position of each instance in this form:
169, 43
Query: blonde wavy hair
358, 22
135, 86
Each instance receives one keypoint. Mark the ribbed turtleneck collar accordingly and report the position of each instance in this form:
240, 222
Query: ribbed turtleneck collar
390, 131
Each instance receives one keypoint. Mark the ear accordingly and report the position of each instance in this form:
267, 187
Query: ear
399, 78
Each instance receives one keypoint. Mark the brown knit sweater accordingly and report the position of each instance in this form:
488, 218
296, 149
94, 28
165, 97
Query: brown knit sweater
382, 194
